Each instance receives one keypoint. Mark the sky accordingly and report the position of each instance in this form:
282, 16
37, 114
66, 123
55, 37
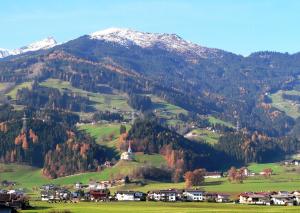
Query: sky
239, 26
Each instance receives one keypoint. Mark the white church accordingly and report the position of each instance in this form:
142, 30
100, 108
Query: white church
129, 156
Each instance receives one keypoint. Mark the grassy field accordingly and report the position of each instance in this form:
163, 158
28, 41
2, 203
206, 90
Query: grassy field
165, 110
214, 120
105, 134
29, 177
159, 207
289, 107
204, 134
13, 92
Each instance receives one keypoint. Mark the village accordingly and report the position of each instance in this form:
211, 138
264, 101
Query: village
16, 199
100, 191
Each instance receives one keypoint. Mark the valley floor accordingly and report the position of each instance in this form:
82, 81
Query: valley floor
160, 207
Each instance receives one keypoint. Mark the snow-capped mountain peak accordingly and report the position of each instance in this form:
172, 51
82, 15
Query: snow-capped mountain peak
170, 42
39, 45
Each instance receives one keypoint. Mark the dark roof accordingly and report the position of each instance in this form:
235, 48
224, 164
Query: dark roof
166, 191
127, 192
194, 190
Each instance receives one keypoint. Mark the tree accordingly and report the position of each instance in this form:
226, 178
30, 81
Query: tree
122, 129
235, 175
267, 172
126, 179
194, 178
232, 174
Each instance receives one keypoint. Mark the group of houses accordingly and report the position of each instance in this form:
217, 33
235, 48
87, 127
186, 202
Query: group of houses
13, 199
270, 198
53, 193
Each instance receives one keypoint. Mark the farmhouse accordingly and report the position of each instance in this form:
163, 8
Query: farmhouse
130, 196
55, 194
211, 197
194, 195
78, 185
213, 175
99, 195
222, 198
254, 198
171, 195
282, 199
17, 201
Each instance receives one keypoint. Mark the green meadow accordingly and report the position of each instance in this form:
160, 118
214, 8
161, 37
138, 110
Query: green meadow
289, 107
204, 134
105, 134
159, 207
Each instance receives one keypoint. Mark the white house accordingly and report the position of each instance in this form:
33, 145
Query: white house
194, 195
222, 198
170, 195
78, 185
130, 196
282, 199
213, 175
254, 198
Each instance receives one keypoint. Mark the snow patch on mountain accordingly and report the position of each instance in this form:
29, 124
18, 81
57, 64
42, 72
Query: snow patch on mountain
39, 45
170, 42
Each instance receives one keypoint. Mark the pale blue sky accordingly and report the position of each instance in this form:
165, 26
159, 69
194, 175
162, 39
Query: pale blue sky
239, 26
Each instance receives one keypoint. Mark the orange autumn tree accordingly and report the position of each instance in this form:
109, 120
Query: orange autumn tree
194, 178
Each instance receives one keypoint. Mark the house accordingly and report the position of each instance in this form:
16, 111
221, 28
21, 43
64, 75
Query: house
108, 164
254, 198
55, 195
194, 195
99, 195
47, 187
78, 185
247, 172
130, 196
17, 201
169, 195
213, 175
211, 197
282, 199
296, 195
222, 198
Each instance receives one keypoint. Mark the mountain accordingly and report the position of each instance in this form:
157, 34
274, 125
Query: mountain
192, 83
170, 42
39, 45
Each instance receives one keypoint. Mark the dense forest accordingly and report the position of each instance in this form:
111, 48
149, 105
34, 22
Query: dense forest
46, 136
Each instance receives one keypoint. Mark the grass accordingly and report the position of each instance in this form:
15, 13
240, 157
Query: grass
289, 107
277, 168
13, 92
214, 120
29, 177
159, 207
204, 134
102, 132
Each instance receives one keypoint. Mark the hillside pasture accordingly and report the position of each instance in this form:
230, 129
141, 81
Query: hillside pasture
208, 136
291, 108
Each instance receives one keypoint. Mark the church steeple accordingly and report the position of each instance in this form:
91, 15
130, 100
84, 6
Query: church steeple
24, 127
129, 147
